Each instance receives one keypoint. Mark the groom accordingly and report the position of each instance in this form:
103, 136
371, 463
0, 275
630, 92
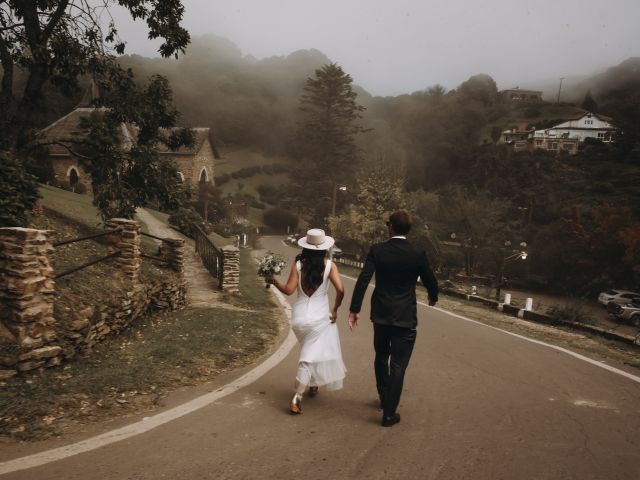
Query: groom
397, 265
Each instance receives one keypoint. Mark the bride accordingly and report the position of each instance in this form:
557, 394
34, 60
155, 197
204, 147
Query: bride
320, 363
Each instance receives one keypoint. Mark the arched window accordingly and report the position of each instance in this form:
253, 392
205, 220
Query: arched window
204, 176
72, 175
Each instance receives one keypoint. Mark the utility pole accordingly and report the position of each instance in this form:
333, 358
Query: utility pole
559, 89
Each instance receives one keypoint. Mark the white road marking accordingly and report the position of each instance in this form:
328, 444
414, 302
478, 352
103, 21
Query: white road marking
597, 363
591, 404
628, 375
149, 423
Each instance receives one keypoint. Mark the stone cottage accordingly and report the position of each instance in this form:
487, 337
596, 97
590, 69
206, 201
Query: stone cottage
195, 164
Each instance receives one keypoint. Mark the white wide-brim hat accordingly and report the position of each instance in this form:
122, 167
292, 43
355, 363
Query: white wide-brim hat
316, 240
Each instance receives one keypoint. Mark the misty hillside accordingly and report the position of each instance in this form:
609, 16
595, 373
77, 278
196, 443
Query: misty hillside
246, 101
575, 87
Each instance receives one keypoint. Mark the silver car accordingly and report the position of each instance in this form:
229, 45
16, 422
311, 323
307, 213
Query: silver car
628, 313
617, 296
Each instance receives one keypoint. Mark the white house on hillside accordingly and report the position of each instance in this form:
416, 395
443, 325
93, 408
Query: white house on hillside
588, 125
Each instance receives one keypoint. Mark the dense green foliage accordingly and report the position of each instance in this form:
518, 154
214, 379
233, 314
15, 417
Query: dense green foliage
186, 220
50, 45
18, 192
56, 42
130, 173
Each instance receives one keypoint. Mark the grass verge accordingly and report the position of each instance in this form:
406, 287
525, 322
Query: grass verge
134, 371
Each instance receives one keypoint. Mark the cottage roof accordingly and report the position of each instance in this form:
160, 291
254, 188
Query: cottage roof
69, 127
66, 128
201, 135
580, 115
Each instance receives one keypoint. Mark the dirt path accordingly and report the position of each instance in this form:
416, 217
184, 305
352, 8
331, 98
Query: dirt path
202, 288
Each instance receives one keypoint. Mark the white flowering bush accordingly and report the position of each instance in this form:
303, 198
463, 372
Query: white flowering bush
270, 265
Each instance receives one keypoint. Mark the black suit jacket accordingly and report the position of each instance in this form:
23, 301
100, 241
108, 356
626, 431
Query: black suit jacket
397, 265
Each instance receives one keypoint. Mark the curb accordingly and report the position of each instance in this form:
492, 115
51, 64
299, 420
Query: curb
538, 317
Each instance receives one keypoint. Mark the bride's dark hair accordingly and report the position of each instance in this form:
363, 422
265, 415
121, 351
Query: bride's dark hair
312, 268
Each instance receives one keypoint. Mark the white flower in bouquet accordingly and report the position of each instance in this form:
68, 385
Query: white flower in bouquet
270, 265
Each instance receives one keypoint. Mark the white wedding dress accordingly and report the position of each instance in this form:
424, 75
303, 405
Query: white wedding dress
320, 363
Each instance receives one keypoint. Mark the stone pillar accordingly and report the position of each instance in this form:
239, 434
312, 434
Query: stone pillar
230, 269
173, 250
26, 286
128, 242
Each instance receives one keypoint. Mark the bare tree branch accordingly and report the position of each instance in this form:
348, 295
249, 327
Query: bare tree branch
69, 149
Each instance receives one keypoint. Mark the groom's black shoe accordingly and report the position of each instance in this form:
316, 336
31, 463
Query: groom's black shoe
390, 421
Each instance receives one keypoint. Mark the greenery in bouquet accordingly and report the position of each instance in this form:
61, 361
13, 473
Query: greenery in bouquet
270, 265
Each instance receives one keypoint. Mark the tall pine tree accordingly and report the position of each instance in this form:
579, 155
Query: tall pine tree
325, 138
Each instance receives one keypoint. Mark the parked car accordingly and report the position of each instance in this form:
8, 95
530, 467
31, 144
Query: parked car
628, 312
617, 296
336, 251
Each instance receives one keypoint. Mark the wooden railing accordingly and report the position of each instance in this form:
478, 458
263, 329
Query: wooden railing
157, 258
210, 255
90, 262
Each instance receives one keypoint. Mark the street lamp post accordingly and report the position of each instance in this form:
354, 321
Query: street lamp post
504, 258
467, 245
336, 187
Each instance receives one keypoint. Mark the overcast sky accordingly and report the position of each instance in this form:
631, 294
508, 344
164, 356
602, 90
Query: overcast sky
400, 46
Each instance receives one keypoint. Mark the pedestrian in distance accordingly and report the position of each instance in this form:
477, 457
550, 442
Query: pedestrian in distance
320, 363
397, 265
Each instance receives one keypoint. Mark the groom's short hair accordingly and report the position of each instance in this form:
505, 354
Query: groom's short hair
400, 222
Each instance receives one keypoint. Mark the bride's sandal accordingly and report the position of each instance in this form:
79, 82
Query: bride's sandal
295, 407
313, 391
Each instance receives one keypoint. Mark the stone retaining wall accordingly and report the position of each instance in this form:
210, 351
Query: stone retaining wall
230, 269
30, 336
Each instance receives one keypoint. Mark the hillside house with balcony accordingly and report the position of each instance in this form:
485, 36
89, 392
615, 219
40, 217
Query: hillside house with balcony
587, 125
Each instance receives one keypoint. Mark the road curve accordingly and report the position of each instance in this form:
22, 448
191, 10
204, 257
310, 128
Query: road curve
478, 404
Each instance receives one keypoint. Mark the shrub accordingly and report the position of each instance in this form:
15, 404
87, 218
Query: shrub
185, 220
253, 202
269, 193
40, 166
573, 312
18, 192
280, 218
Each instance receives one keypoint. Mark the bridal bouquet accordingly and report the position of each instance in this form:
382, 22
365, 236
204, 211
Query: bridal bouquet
270, 265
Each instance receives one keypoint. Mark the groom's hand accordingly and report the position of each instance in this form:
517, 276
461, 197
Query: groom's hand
353, 320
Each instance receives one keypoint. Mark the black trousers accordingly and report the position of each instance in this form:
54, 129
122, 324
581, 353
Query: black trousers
393, 346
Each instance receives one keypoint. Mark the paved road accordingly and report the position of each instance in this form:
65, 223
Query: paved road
478, 404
